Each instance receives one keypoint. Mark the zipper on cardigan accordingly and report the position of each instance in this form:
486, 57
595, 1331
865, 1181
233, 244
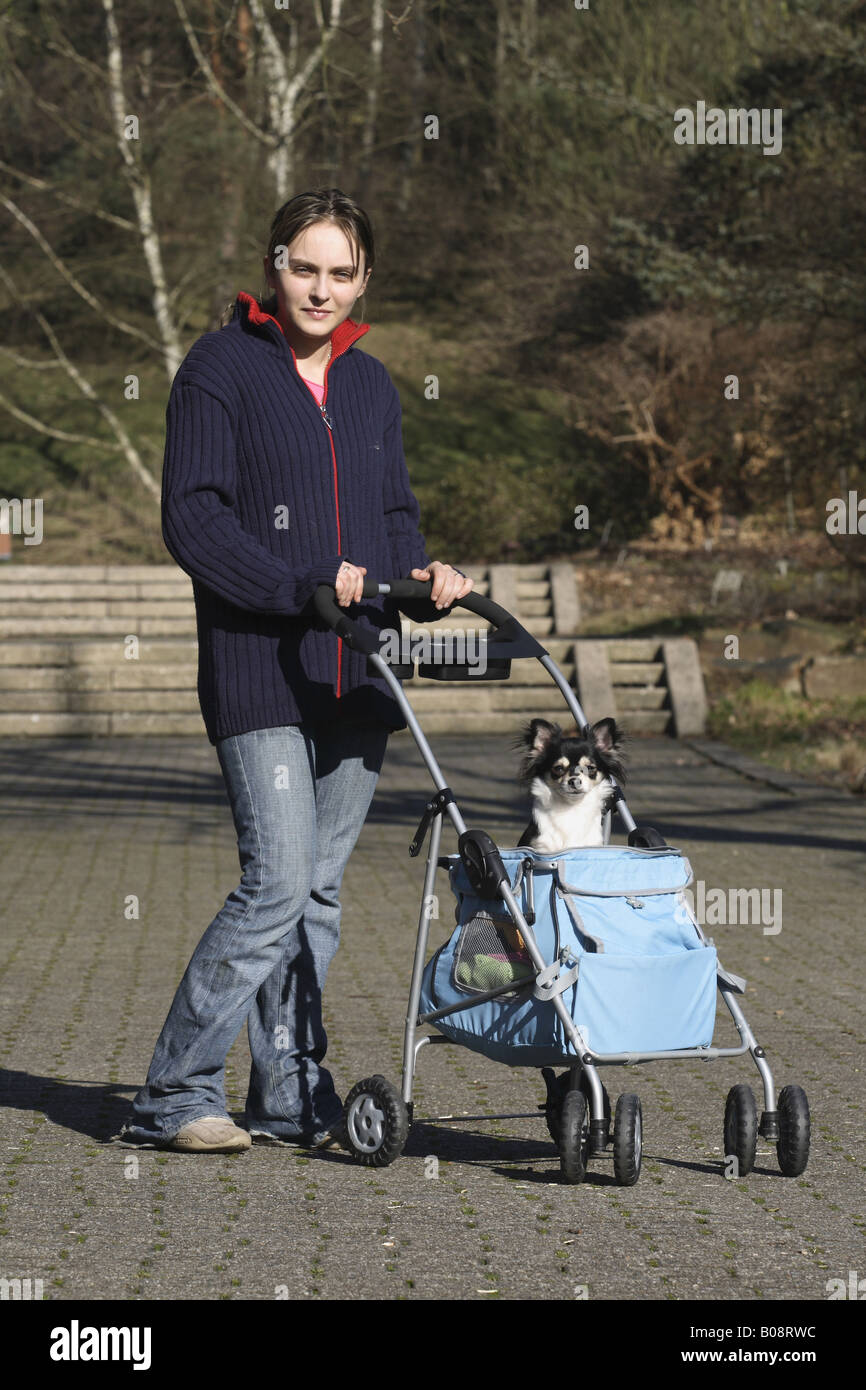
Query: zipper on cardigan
329, 423
327, 419
256, 314
330, 427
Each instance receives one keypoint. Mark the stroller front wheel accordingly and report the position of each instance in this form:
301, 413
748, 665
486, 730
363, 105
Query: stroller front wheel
573, 1136
741, 1129
376, 1122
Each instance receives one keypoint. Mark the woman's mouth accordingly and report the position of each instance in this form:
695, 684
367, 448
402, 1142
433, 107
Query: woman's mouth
318, 313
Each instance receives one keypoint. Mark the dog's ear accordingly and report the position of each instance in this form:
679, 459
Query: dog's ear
537, 735
543, 733
607, 735
609, 739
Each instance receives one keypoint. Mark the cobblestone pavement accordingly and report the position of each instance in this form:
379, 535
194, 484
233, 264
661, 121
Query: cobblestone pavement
84, 992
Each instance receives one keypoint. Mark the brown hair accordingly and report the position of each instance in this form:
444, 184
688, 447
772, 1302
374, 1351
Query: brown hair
306, 209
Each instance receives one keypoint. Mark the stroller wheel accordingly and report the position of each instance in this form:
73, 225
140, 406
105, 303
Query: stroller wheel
557, 1087
794, 1131
584, 1086
573, 1136
627, 1140
741, 1129
376, 1121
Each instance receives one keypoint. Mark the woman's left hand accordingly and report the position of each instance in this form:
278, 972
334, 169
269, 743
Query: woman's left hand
448, 584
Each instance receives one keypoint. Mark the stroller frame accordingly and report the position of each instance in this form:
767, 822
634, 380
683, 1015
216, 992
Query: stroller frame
508, 640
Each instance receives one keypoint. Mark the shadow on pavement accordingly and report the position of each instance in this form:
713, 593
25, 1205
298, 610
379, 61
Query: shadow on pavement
97, 1109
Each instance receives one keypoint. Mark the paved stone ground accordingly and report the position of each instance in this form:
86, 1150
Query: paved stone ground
84, 992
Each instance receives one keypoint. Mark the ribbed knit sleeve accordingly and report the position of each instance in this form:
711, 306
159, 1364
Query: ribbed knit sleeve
200, 525
402, 513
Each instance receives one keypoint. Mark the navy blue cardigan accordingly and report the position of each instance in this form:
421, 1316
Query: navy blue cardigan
264, 494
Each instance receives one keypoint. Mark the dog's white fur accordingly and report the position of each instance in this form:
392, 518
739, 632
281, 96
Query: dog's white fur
567, 824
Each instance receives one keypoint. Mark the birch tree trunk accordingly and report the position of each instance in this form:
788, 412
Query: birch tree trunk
368, 139
418, 109
286, 85
231, 182
139, 183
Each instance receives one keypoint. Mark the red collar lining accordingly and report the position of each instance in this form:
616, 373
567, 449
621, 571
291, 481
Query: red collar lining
343, 336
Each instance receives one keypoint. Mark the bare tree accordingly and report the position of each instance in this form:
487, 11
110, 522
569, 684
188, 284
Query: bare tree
139, 185
368, 138
231, 184
167, 342
123, 442
645, 378
286, 82
411, 148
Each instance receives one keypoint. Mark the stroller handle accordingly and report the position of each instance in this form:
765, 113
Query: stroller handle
363, 639
507, 640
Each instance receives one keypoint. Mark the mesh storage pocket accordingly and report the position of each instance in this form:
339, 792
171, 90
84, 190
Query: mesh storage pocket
491, 952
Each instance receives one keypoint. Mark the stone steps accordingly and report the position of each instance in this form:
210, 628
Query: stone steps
629, 649
59, 680
650, 685
48, 653
98, 725
99, 692
60, 656
427, 696
95, 627
634, 698
49, 610
626, 673
638, 679
65, 664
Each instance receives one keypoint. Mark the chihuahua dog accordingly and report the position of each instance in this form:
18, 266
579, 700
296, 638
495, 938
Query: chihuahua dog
567, 776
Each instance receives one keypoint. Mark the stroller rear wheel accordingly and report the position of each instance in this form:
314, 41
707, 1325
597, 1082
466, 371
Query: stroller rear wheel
376, 1122
573, 1136
741, 1129
627, 1140
795, 1130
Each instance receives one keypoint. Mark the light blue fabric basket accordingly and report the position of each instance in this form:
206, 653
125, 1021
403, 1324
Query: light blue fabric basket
646, 980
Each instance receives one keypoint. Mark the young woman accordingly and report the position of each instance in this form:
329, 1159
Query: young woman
284, 469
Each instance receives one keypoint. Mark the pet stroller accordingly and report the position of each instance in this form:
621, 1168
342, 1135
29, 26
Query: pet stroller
587, 958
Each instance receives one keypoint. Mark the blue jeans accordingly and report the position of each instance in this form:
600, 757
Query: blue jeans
299, 797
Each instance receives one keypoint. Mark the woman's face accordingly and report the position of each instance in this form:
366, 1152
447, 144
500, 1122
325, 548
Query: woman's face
315, 273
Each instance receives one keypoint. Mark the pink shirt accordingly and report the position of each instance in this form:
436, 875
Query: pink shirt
317, 390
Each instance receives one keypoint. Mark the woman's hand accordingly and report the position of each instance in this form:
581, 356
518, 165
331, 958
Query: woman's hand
448, 584
350, 583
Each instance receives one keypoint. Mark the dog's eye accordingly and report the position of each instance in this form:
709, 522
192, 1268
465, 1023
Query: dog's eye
591, 770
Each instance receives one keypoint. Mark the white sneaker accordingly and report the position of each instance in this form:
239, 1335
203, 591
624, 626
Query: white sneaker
214, 1134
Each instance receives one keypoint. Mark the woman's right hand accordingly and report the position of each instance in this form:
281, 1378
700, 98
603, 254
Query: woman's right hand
350, 583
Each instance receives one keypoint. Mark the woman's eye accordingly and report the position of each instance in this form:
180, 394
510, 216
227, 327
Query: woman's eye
305, 270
